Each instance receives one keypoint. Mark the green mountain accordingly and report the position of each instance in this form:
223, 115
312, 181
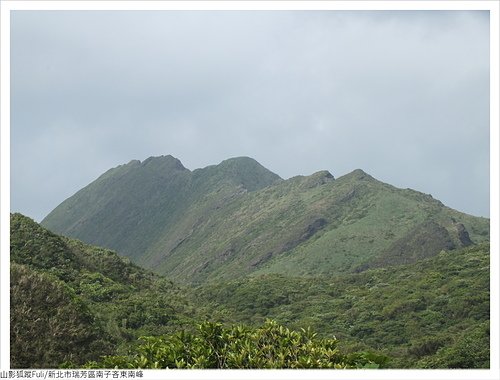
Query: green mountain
131, 207
237, 218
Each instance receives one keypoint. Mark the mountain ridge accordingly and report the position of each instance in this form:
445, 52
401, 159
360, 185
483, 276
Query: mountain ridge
238, 218
160, 187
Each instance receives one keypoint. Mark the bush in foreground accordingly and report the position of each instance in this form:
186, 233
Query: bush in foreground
215, 346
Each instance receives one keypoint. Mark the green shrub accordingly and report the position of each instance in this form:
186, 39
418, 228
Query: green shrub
470, 350
215, 346
49, 324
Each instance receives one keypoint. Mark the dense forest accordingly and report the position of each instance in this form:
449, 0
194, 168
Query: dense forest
89, 307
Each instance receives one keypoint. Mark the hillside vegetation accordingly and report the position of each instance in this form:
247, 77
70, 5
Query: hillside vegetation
430, 314
74, 304
50, 324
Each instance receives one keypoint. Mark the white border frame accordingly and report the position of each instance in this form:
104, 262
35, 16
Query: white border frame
493, 6
4, 187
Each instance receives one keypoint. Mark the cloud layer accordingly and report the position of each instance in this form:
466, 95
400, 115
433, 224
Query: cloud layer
402, 95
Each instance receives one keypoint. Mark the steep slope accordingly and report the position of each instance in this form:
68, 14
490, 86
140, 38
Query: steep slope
74, 302
129, 207
237, 218
125, 202
369, 223
312, 225
433, 313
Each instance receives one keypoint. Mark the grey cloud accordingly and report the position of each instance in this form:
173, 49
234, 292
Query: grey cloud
403, 95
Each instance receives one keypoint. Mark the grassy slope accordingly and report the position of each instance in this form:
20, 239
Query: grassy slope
432, 313
363, 233
307, 226
122, 204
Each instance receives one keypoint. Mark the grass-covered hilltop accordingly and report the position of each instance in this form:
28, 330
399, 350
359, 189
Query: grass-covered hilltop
231, 266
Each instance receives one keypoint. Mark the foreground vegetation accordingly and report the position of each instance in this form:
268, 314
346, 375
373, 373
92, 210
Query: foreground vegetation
73, 304
215, 346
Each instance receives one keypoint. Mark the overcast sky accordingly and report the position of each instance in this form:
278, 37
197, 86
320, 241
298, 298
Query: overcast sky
402, 95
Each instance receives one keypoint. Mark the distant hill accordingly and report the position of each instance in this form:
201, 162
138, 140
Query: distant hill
238, 218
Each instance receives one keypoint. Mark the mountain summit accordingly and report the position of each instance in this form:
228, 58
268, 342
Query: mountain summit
238, 218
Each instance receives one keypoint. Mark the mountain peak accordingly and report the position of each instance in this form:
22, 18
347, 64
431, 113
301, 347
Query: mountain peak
250, 173
316, 179
167, 161
325, 174
359, 174
239, 161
